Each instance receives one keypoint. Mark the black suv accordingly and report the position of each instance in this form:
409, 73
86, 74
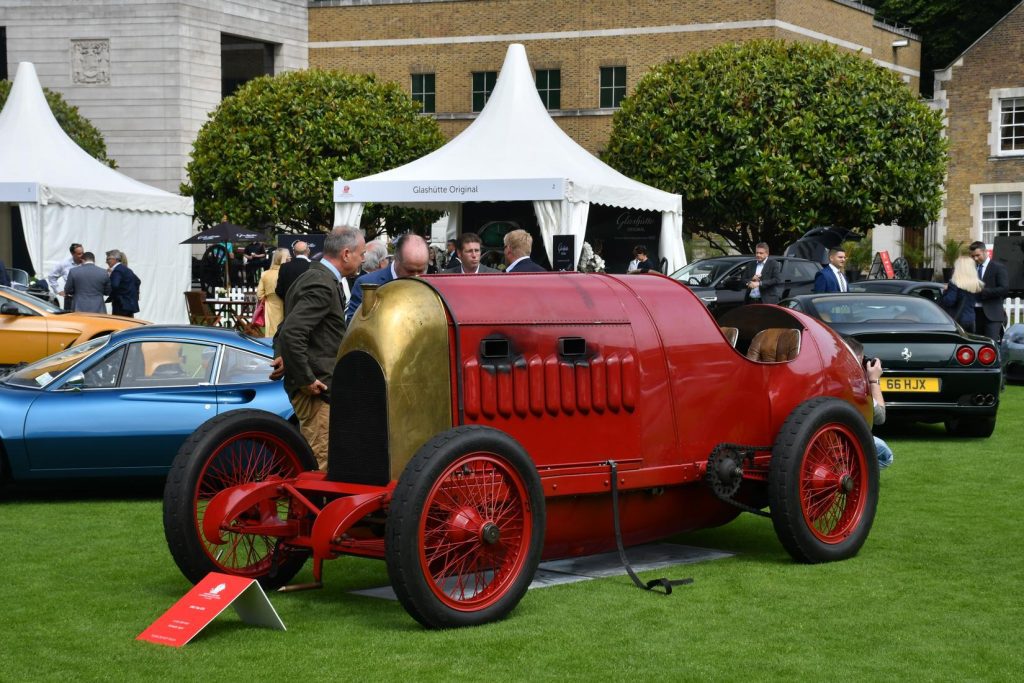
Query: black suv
720, 285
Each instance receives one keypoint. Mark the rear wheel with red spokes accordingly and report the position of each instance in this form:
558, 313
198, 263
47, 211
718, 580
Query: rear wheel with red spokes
465, 528
239, 447
823, 481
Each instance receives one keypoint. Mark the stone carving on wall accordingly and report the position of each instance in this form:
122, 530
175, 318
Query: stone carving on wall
90, 62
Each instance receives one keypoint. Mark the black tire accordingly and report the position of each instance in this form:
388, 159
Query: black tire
441, 502
971, 427
207, 463
823, 481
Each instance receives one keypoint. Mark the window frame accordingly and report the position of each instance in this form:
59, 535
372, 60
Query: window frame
548, 90
613, 88
426, 107
1011, 221
998, 97
488, 79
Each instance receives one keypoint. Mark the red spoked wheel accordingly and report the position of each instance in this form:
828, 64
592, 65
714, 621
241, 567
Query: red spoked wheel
465, 528
823, 481
239, 447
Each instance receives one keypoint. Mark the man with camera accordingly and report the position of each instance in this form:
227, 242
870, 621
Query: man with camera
872, 374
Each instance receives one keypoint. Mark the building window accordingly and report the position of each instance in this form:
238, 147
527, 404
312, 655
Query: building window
1011, 125
483, 85
1000, 215
613, 86
549, 87
423, 92
3, 53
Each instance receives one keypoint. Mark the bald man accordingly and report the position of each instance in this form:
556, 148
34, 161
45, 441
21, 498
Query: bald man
411, 257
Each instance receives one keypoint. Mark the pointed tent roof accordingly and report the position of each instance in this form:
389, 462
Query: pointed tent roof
512, 145
39, 162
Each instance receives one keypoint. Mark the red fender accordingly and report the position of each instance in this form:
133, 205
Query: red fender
339, 515
230, 503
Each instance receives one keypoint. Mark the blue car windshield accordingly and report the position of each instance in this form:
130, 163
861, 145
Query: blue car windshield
42, 372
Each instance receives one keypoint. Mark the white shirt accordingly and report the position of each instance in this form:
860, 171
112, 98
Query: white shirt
840, 277
60, 274
755, 293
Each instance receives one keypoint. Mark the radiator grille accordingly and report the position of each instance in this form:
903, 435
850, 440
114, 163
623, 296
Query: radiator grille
358, 447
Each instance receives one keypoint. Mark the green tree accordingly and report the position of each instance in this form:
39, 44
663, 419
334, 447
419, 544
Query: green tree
78, 128
946, 27
767, 139
269, 154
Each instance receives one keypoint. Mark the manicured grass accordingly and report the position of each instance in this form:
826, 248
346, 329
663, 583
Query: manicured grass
935, 594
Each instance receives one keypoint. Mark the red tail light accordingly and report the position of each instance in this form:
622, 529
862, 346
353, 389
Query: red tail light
987, 355
965, 355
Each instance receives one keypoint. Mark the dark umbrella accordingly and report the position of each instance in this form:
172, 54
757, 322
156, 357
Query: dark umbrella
226, 232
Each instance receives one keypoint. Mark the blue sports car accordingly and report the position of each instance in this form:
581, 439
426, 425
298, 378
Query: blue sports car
122, 404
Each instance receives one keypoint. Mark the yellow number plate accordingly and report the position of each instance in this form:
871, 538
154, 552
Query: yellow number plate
910, 384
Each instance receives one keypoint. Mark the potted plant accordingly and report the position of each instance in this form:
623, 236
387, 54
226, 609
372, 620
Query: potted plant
858, 258
914, 254
951, 249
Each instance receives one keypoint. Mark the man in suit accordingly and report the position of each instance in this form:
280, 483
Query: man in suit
518, 246
470, 251
88, 285
289, 272
451, 258
308, 339
832, 278
762, 277
989, 314
124, 286
411, 257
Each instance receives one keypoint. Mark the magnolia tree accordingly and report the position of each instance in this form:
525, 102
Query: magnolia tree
269, 154
71, 122
767, 139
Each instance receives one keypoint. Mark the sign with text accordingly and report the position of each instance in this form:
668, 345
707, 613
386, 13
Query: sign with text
564, 250
207, 599
429, 191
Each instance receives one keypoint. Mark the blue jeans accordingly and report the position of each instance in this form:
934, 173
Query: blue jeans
884, 453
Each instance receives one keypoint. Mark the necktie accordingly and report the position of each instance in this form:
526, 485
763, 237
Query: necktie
979, 271
842, 281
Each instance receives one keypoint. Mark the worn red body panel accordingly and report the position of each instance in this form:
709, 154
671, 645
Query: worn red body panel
657, 389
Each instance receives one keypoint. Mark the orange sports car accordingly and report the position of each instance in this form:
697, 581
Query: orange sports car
31, 328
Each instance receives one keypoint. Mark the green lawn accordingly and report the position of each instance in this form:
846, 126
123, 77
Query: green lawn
936, 593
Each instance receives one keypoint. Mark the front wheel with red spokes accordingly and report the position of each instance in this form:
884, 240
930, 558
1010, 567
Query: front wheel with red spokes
239, 447
465, 528
823, 481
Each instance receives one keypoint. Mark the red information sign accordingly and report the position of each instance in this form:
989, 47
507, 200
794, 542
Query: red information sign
887, 264
201, 605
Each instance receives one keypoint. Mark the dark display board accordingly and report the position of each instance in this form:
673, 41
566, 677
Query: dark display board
613, 233
564, 250
315, 242
1009, 250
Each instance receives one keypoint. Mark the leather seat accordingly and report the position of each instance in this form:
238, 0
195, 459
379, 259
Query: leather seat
774, 345
731, 334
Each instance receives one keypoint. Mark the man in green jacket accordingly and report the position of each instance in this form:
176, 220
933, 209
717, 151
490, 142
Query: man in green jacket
310, 335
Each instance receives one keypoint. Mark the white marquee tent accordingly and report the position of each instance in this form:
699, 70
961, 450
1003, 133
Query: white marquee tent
64, 196
514, 151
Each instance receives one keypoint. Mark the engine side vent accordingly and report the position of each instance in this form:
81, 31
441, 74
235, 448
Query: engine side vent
358, 447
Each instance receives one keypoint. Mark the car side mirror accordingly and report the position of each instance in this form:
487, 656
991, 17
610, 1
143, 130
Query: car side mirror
75, 383
9, 309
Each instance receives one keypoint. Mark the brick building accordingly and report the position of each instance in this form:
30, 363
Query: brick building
586, 54
982, 95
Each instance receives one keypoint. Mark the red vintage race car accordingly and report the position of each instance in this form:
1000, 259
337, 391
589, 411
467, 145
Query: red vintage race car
481, 424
